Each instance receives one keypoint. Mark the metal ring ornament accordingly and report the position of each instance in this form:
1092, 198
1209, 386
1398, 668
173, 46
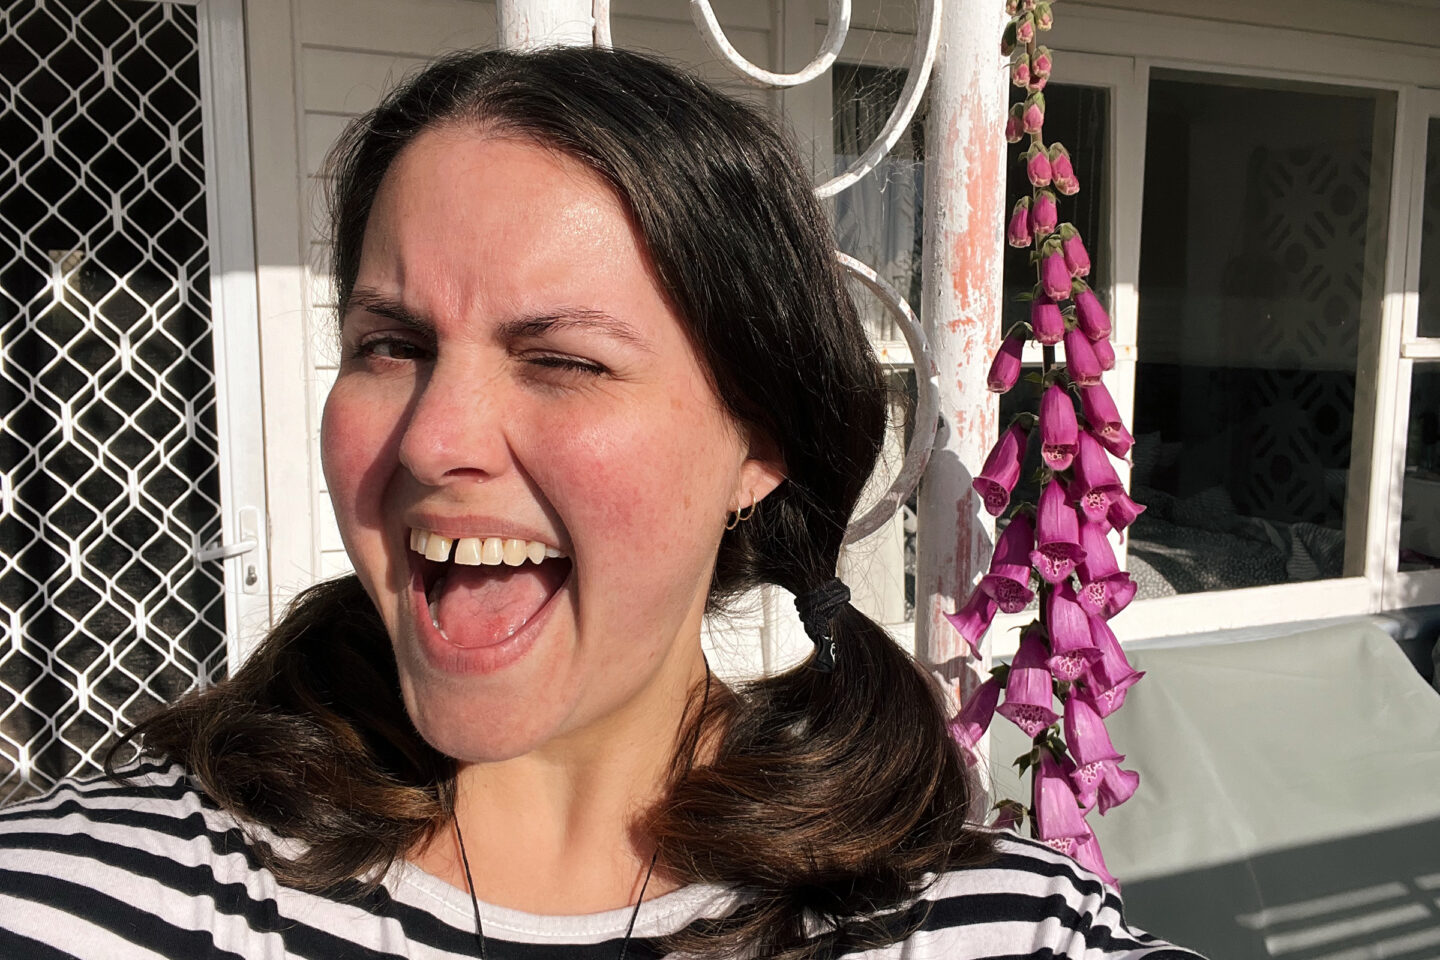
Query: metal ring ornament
927, 406
721, 46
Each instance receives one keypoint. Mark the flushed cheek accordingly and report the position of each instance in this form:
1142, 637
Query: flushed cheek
359, 452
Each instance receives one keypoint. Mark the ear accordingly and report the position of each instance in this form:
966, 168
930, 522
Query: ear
761, 472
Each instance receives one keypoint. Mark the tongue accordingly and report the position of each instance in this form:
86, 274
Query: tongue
485, 605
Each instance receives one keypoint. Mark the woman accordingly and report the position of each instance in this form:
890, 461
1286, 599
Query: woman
600, 374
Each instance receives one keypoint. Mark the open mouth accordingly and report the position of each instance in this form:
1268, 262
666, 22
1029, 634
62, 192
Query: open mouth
481, 591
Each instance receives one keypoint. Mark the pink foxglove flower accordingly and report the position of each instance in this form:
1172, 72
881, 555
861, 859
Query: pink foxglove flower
1046, 320
1104, 352
1005, 369
1105, 589
1057, 814
1094, 479
1037, 166
1002, 469
1116, 786
1008, 582
1029, 690
1087, 854
974, 717
1072, 645
1025, 29
1081, 364
1020, 71
1017, 232
973, 619
1085, 734
1077, 258
1122, 511
1041, 63
1054, 276
1014, 126
1063, 172
1032, 117
1057, 535
1110, 676
1104, 419
1089, 313
1059, 432
1044, 16
1043, 217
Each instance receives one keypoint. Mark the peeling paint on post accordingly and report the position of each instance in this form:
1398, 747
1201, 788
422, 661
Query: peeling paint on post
526, 24
961, 312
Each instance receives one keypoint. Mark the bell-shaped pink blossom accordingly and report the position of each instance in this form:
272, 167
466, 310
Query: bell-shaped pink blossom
1014, 126
1081, 364
1116, 785
1002, 469
1054, 277
1005, 368
1085, 733
1090, 316
1043, 218
1017, 231
1105, 353
1104, 419
1072, 645
1105, 589
1094, 480
1057, 535
1077, 258
1020, 71
1059, 432
974, 717
1044, 16
1062, 172
1122, 511
1107, 679
1046, 320
1008, 582
1029, 690
1057, 814
1087, 854
973, 619
1037, 166
1025, 29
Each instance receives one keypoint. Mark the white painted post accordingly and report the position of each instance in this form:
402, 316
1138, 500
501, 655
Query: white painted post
961, 312
526, 24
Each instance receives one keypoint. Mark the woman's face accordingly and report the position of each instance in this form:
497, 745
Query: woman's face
512, 372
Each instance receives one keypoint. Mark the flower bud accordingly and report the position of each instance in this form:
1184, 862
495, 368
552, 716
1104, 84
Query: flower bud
1077, 258
1017, 232
1033, 114
1041, 63
1012, 7
1007, 39
1080, 361
1005, 369
1025, 29
1104, 352
1054, 275
1044, 16
1043, 215
1009, 814
1062, 171
1091, 317
1014, 125
1037, 166
1046, 320
1020, 72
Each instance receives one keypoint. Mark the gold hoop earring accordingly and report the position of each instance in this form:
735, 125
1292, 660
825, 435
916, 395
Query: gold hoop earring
741, 514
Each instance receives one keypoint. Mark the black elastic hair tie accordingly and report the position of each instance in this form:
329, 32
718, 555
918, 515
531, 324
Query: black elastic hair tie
817, 607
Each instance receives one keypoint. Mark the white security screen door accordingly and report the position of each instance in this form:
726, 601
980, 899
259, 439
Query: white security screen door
111, 438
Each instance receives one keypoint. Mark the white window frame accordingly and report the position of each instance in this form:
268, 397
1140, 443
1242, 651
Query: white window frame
1118, 49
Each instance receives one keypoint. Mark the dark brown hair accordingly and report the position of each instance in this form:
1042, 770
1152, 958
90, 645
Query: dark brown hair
830, 796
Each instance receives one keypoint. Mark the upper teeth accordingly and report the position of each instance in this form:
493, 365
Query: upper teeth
473, 551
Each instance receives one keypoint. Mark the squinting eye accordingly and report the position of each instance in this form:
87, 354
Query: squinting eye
389, 348
567, 364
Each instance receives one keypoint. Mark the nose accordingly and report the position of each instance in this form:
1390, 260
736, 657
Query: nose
455, 430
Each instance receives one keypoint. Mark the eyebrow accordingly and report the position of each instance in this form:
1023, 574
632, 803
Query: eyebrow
567, 318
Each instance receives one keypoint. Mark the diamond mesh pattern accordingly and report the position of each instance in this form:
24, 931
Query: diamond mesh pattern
109, 471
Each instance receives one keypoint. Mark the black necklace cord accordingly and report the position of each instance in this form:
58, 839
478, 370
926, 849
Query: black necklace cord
817, 608
649, 872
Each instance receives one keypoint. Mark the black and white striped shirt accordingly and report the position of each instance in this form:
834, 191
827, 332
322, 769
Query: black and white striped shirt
153, 869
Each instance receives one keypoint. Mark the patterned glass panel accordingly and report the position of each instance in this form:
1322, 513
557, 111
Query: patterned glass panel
108, 450
1262, 251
